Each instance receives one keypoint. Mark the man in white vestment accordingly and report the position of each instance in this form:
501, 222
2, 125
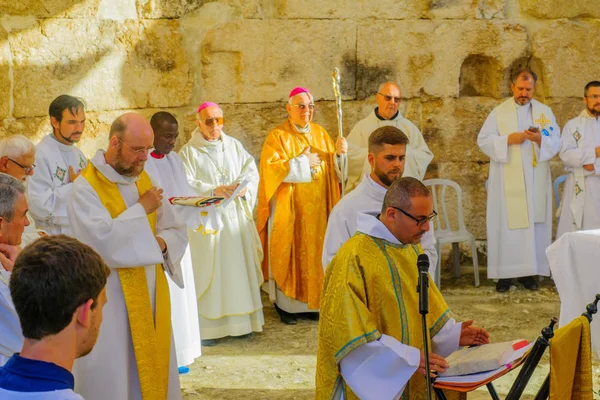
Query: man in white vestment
117, 210
387, 156
166, 168
520, 136
418, 155
58, 162
226, 260
580, 150
17, 156
13, 220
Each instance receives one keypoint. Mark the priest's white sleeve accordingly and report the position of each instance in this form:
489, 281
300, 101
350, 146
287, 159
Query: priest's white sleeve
428, 243
490, 141
47, 203
299, 170
418, 155
336, 235
380, 369
550, 144
570, 154
125, 241
173, 231
200, 188
447, 340
341, 166
11, 336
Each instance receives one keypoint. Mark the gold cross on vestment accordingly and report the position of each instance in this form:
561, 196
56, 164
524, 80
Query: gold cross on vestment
542, 121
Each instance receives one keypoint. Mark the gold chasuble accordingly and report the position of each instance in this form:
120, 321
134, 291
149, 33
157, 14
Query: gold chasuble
371, 290
151, 340
301, 212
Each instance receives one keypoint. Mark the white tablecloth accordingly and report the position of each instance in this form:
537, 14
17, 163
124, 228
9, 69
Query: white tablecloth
575, 265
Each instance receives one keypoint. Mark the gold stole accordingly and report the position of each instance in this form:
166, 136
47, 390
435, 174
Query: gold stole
151, 342
515, 193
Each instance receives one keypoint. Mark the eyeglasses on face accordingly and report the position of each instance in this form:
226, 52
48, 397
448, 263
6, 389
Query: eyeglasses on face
419, 221
27, 168
139, 152
594, 97
303, 107
213, 121
387, 97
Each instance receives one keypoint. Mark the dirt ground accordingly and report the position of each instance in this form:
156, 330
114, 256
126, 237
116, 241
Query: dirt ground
279, 363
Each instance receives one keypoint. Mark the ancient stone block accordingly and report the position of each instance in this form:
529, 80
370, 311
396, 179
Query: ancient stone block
551, 9
380, 9
566, 49
425, 57
166, 8
111, 65
50, 8
262, 60
489, 9
4, 76
481, 76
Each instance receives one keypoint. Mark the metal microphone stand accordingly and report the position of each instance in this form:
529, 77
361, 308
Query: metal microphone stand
423, 290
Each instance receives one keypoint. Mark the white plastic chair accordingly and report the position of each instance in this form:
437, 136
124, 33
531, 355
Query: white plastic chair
443, 230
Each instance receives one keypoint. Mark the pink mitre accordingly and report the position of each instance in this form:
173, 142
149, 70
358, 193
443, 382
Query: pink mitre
299, 90
206, 104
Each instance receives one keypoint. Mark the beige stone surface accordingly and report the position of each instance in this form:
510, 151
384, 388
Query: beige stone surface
111, 65
50, 8
566, 50
288, 54
466, 9
560, 9
427, 55
4, 75
354, 9
166, 8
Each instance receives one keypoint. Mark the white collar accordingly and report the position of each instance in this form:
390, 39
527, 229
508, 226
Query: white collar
369, 224
586, 114
61, 146
109, 172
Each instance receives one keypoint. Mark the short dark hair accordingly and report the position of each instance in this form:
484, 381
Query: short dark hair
589, 85
64, 102
386, 135
400, 193
51, 278
161, 117
523, 71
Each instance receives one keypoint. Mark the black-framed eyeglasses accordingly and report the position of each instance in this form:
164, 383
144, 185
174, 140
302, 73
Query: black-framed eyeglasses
419, 221
387, 97
28, 169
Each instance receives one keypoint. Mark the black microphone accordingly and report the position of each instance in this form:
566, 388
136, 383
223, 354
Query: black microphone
423, 287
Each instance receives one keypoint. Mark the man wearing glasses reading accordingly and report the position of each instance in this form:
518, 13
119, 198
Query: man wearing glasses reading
297, 191
418, 155
370, 335
58, 163
580, 150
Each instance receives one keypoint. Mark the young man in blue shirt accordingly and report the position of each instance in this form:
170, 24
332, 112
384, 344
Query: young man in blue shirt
58, 289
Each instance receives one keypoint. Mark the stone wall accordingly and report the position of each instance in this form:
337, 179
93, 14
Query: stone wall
451, 57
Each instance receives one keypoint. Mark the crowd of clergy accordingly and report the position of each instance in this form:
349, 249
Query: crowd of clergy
106, 287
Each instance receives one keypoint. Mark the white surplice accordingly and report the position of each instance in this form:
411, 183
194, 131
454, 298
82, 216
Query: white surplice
227, 263
367, 197
11, 336
381, 369
169, 174
514, 253
579, 140
49, 188
110, 370
30, 233
418, 155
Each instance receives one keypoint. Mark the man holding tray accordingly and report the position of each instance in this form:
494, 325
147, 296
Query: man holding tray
227, 257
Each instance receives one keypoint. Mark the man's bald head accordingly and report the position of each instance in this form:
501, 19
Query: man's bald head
388, 99
130, 140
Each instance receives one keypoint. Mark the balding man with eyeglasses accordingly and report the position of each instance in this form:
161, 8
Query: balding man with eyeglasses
418, 155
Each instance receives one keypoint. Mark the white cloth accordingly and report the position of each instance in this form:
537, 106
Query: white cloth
11, 336
573, 260
168, 172
367, 197
418, 155
49, 188
575, 154
31, 233
227, 263
110, 370
517, 252
65, 394
381, 369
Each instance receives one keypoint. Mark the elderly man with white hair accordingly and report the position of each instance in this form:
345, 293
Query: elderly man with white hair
17, 156
226, 257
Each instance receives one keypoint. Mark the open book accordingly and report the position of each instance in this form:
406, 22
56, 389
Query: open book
205, 201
